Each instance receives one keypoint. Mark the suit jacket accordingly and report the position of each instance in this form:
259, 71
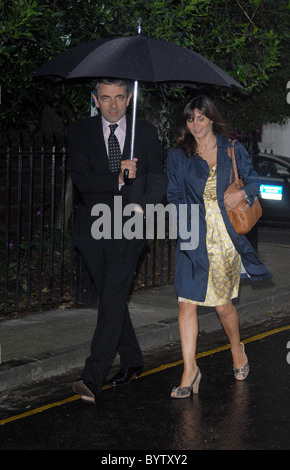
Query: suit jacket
95, 184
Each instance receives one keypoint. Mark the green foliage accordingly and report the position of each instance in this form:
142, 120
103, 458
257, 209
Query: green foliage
29, 32
248, 39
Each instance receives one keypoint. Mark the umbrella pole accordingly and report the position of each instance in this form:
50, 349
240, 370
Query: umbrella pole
134, 119
135, 96
127, 180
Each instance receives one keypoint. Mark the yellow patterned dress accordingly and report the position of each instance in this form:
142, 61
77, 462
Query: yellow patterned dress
224, 260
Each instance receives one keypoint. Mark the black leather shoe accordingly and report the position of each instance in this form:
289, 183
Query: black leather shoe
125, 375
81, 388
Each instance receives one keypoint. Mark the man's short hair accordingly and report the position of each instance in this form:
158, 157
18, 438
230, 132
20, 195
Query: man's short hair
114, 81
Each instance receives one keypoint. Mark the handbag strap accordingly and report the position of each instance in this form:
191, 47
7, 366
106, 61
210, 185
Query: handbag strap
231, 154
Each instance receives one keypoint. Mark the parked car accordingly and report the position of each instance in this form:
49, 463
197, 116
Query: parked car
274, 174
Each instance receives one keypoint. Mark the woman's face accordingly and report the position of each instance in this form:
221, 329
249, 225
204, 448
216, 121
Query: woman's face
199, 125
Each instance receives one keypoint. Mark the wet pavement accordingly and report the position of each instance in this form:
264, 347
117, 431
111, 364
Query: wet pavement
36, 346
43, 353
141, 416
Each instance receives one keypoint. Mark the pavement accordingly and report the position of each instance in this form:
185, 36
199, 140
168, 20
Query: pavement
41, 345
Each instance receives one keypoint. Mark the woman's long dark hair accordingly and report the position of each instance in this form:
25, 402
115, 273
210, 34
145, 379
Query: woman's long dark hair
183, 138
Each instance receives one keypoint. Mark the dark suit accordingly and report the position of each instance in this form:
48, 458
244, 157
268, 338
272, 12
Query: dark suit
112, 263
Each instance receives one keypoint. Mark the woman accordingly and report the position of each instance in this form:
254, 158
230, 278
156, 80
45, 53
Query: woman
198, 168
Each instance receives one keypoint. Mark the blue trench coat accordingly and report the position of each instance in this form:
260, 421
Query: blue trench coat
187, 179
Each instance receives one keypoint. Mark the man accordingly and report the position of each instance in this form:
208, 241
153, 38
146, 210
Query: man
99, 178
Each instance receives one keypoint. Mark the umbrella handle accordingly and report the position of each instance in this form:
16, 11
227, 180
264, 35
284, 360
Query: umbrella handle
128, 180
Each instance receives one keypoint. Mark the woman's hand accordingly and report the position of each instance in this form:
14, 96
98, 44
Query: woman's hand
232, 199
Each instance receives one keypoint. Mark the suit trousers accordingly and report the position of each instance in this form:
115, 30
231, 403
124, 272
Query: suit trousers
111, 264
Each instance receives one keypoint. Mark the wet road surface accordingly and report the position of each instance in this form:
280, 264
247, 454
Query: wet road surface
226, 415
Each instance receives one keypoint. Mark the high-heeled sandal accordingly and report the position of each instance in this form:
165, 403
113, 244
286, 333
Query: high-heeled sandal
185, 392
242, 372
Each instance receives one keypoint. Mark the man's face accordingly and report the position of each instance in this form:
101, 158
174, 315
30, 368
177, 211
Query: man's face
112, 101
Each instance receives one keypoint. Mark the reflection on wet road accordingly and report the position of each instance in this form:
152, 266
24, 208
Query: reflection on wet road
226, 414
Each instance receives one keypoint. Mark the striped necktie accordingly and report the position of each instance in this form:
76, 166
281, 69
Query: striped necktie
114, 151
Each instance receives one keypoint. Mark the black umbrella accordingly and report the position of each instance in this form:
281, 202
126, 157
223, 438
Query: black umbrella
137, 58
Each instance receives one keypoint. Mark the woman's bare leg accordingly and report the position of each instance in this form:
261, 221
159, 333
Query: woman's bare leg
188, 330
229, 319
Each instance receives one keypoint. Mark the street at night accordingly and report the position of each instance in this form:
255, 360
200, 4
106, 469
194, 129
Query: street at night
141, 416
144, 231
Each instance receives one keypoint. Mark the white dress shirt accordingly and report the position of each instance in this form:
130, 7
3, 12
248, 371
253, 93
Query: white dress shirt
120, 132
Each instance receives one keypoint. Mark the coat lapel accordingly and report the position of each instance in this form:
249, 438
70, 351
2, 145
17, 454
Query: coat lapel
98, 142
224, 166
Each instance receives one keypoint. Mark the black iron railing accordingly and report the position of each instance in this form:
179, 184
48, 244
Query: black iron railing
39, 267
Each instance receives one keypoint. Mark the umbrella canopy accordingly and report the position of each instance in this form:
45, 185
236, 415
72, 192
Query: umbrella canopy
135, 58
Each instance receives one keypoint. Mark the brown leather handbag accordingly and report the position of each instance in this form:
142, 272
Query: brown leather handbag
243, 217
